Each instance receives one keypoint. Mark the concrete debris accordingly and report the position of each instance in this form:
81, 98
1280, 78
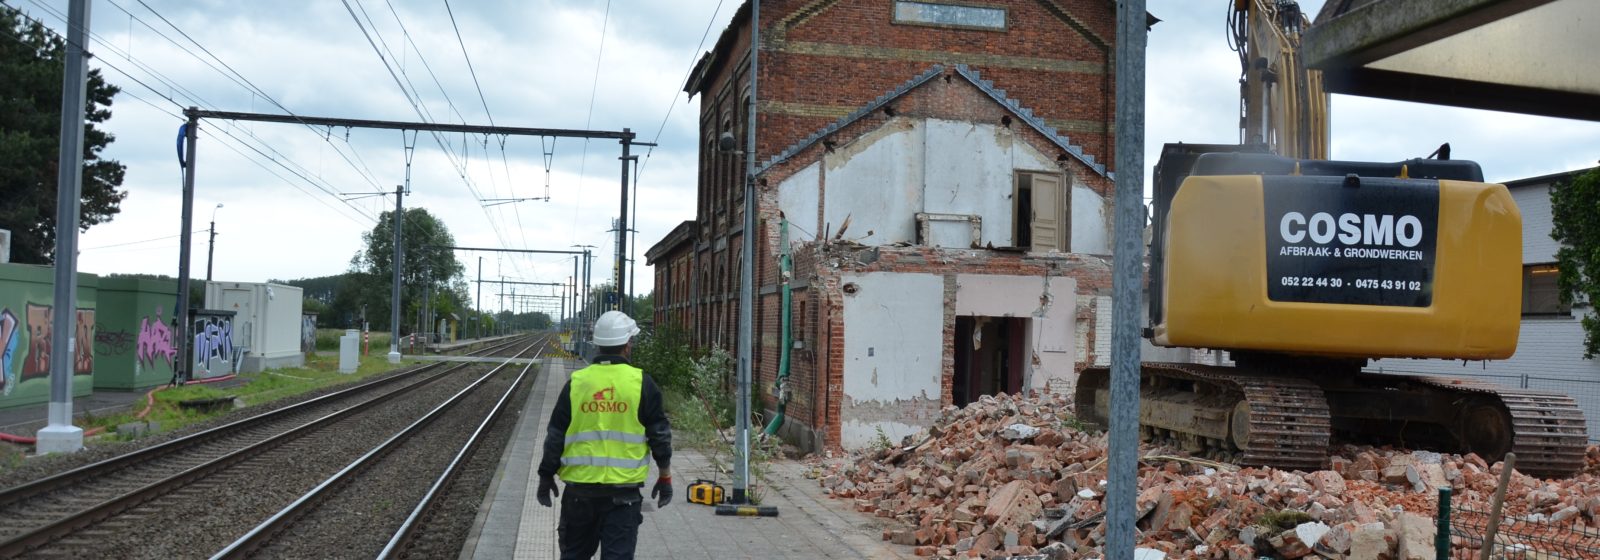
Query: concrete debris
1012, 476
1019, 432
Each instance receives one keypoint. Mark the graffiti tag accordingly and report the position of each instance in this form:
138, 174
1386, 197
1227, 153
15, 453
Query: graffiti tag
213, 340
155, 342
8, 349
112, 343
308, 333
37, 363
40, 321
83, 354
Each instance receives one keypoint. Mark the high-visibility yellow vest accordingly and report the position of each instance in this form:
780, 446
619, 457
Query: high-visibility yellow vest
605, 442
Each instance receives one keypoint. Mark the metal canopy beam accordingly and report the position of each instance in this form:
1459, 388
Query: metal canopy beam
522, 283
403, 125
1501, 55
538, 251
1385, 28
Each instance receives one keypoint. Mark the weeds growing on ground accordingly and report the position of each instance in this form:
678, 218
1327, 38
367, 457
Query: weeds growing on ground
700, 404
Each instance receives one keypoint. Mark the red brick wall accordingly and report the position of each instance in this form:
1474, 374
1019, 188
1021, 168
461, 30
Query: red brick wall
823, 58
820, 269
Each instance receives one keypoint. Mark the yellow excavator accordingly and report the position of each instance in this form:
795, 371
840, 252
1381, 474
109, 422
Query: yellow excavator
1302, 269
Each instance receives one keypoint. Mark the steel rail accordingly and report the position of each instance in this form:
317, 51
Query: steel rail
402, 537
267, 530
16, 494
42, 535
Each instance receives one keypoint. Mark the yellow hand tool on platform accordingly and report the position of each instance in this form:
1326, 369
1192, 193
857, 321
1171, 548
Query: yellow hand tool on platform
706, 492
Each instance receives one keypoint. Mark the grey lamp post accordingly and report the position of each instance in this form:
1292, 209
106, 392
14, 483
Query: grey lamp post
211, 251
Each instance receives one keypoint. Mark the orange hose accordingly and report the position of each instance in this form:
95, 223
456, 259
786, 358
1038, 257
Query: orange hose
149, 405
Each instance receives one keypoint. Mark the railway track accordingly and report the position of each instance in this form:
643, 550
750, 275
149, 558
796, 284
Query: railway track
373, 496
150, 503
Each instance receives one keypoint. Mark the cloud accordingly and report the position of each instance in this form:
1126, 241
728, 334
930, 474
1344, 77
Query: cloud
536, 64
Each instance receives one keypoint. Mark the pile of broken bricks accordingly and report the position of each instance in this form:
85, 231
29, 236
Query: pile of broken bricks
1012, 476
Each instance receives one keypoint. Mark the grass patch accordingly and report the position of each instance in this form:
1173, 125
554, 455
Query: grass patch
258, 388
328, 339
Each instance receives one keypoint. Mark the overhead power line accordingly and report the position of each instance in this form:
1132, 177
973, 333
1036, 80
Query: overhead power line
583, 161
461, 167
249, 85
693, 57
281, 162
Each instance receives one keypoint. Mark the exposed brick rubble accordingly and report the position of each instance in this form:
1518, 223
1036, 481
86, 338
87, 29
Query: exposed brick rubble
1013, 476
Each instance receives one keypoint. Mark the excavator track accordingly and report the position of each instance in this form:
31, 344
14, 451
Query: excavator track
1273, 421
1548, 432
1284, 420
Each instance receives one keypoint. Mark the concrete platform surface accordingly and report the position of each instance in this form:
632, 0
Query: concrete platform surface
464, 343
511, 524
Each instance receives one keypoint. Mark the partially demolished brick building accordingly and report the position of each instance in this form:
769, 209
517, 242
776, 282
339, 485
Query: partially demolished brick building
936, 172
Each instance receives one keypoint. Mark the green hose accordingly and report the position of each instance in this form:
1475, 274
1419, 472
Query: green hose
781, 388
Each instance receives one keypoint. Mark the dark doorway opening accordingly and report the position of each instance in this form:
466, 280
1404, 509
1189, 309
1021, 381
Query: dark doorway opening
989, 352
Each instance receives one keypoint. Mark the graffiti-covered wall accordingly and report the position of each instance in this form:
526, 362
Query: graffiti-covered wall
214, 352
27, 304
308, 333
134, 345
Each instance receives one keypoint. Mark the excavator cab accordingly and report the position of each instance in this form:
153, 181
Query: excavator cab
1303, 270
1262, 253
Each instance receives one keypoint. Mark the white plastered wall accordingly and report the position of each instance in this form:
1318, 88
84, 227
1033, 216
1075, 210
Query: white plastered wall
1049, 304
893, 355
881, 180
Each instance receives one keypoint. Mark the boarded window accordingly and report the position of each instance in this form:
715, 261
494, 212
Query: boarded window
1540, 294
1040, 213
950, 15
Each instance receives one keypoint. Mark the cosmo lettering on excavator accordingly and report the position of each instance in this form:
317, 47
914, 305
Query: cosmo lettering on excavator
1302, 269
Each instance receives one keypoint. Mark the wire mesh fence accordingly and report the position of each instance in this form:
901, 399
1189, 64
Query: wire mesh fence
1585, 391
1533, 537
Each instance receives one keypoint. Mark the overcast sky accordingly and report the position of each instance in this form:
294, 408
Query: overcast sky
536, 64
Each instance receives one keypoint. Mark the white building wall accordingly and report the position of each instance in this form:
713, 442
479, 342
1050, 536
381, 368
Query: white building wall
1091, 222
893, 355
798, 199
971, 169
883, 179
1050, 304
1534, 202
876, 183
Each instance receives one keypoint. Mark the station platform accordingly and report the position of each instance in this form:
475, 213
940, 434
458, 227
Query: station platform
465, 344
512, 524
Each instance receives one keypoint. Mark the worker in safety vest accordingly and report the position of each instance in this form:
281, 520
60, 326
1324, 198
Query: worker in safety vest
609, 421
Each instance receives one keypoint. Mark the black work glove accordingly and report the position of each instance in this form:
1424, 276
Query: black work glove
547, 488
662, 491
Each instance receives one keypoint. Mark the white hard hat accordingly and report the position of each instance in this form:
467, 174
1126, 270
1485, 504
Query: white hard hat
614, 328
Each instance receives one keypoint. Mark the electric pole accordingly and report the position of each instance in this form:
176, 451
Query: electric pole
211, 248
60, 436
741, 475
479, 307
399, 260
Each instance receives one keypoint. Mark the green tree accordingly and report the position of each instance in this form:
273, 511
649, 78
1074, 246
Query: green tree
1573, 207
428, 265
31, 67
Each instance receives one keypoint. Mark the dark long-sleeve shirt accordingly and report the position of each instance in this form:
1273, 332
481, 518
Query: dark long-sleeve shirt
652, 414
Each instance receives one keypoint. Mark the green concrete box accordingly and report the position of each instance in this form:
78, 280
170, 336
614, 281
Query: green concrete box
27, 294
134, 346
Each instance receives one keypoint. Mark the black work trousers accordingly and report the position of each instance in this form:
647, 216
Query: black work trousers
608, 522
